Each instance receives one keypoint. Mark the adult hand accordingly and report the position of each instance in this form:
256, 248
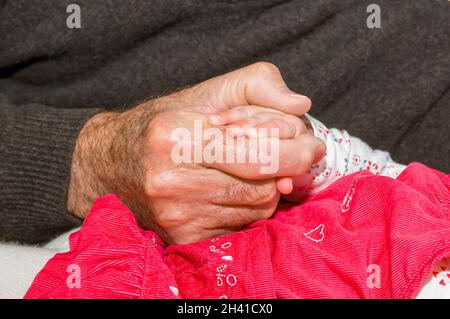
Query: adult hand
129, 154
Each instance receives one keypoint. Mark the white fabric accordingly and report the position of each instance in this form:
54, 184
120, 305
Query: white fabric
437, 286
345, 155
19, 264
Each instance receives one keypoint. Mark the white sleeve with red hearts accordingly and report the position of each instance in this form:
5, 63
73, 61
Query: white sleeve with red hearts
345, 155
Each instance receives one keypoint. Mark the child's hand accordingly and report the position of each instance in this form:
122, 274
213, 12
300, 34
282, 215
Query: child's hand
246, 120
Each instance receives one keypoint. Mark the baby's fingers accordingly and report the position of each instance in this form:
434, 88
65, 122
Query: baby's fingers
271, 124
230, 116
272, 128
238, 114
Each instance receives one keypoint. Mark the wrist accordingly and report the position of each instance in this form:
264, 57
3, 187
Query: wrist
90, 162
108, 158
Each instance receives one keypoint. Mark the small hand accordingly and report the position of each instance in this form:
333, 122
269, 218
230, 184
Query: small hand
249, 120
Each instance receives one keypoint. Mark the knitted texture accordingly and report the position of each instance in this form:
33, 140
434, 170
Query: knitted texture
388, 86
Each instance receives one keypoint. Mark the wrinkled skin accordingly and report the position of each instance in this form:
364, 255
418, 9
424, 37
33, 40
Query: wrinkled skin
129, 153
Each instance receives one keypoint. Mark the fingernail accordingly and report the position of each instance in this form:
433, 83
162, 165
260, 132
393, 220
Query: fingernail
289, 92
298, 96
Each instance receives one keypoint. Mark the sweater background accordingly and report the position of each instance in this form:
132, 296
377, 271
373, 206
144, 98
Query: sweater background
388, 86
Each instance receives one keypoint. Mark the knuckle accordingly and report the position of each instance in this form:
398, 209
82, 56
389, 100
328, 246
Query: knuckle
170, 218
265, 212
157, 133
265, 68
158, 185
268, 212
267, 209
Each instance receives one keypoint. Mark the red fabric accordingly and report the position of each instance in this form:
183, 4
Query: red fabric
324, 248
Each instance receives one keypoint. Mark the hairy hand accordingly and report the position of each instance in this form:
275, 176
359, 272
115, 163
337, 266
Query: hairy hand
129, 154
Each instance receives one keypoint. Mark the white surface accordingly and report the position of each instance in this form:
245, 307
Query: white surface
437, 285
20, 264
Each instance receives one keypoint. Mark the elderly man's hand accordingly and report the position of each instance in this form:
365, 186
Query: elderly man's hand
130, 154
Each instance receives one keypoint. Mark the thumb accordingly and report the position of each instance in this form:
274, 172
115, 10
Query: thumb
285, 185
257, 84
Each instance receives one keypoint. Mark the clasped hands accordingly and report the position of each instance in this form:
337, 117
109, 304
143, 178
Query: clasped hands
130, 153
